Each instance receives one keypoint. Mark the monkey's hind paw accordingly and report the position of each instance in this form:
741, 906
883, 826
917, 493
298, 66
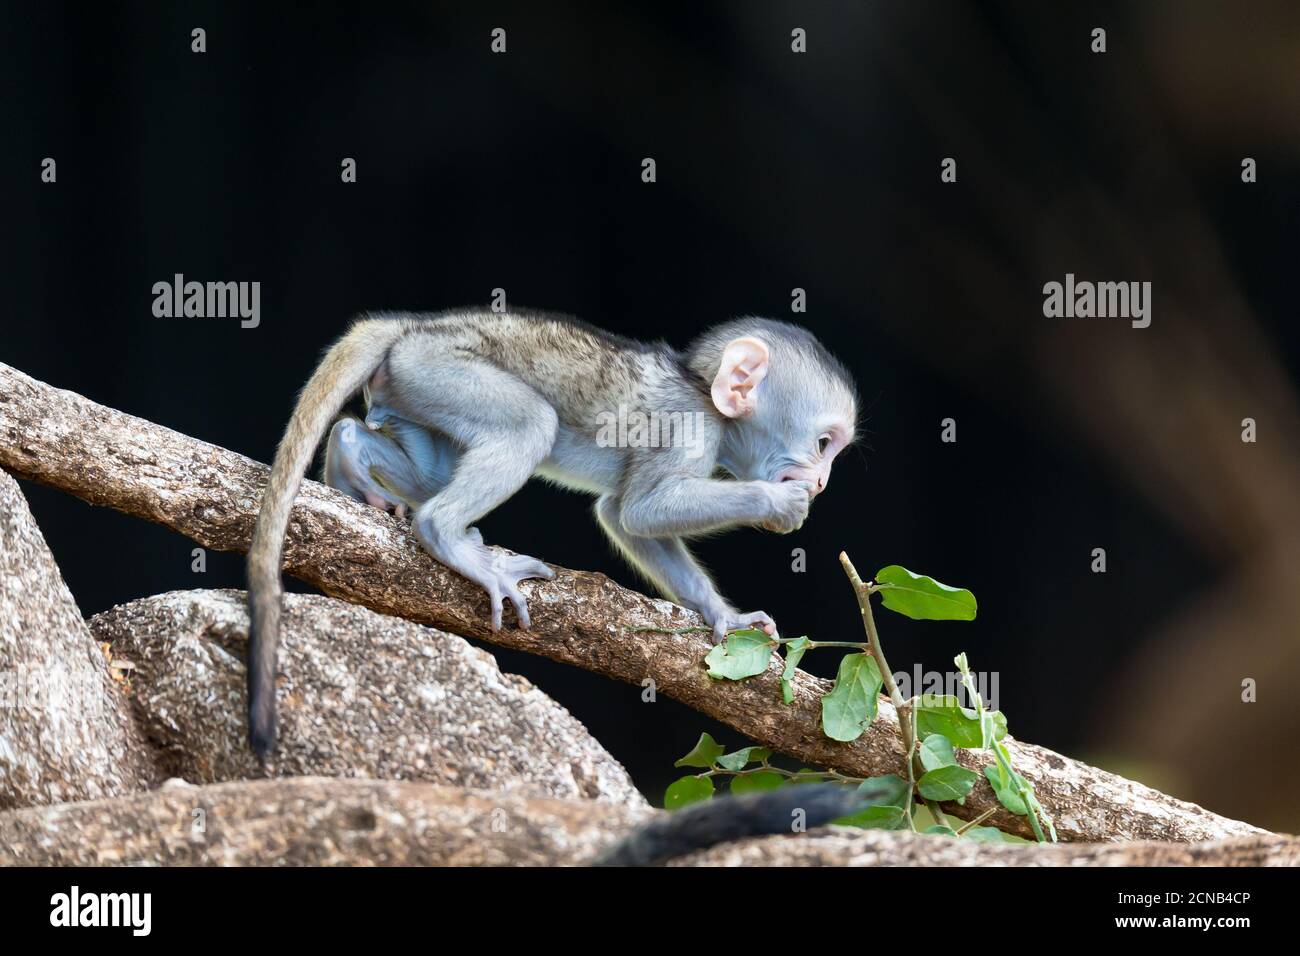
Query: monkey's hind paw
726, 623
384, 503
495, 572
503, 578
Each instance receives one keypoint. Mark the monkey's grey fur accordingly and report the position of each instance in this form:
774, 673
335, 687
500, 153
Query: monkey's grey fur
465, 406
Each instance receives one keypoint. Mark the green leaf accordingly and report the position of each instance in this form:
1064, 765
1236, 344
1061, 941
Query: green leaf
936, 752
743, 654
923, 598
757, 782
1007, 792
737, 759
947, 783
687, 790
875, 818
888, 794
704, 754
889, 790
992, 835
940, 830
794, 652
851, 704
943, 714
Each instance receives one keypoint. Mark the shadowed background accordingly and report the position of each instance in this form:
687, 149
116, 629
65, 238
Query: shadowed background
775, 171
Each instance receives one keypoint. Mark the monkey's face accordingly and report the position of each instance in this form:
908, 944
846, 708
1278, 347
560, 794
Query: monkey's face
790, 413
812, 463
799, 434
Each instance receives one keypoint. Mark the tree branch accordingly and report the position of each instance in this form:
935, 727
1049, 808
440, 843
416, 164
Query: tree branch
109, 458
336, 821
842, 846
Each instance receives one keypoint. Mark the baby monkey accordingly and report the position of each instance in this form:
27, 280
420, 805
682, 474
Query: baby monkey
463, 407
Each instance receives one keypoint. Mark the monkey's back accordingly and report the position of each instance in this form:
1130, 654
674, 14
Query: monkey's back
577, 367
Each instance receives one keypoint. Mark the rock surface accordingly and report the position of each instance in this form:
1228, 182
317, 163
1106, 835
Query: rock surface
843, 846
315, 821
360, 695
65, 726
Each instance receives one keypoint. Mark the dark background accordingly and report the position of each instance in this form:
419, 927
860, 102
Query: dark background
775, 171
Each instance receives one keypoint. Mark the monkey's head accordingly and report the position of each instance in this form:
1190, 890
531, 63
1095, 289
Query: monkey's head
790, 405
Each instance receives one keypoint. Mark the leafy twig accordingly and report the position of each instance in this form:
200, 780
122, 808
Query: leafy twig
905, 709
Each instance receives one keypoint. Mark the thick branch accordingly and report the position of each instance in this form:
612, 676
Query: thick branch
841, 846
106, 457
332, 821
315, 821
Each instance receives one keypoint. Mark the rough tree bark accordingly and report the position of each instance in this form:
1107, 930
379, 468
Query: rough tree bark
319, 821
843, 846
315, 821
107, 457
65, 725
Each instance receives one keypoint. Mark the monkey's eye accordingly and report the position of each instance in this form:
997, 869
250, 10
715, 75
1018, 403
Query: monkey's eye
823, 443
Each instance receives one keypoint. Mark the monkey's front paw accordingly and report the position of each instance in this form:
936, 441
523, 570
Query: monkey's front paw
724, 622
790, 501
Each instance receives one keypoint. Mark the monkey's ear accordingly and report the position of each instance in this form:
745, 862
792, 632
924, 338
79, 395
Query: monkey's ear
744, 365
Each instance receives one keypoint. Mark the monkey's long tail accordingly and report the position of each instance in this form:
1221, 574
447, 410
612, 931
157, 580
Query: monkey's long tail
707, 824
342, 372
